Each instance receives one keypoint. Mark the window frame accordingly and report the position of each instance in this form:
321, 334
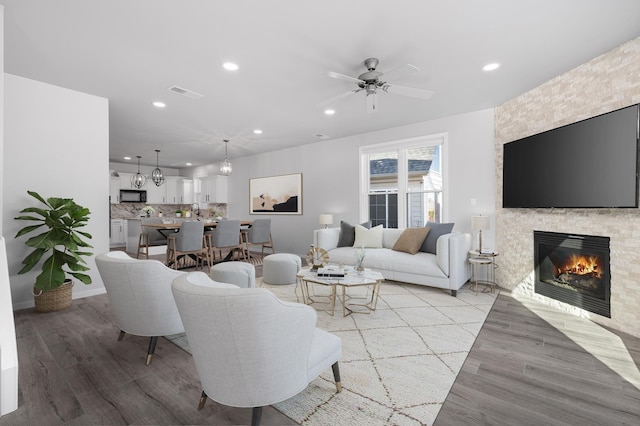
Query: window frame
401, 146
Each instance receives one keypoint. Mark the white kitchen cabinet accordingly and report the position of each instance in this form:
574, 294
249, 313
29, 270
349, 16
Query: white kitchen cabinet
117, 232
125, 180
213, 189
114, 189
174, 190
187, 188
155, 194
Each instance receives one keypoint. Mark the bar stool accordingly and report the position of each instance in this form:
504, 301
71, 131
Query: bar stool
143, 245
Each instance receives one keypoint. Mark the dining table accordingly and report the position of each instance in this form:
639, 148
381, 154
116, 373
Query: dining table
167, 229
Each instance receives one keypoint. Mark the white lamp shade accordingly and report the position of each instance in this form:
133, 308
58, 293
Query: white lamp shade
480, 223
326, 219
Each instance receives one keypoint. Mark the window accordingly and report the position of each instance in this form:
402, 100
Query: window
402, 182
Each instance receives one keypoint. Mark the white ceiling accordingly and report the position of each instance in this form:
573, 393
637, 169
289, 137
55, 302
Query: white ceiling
131, 51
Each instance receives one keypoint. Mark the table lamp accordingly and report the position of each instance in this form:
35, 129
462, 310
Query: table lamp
480, 223
326, 220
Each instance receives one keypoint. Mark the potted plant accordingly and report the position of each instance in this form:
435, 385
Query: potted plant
178, 213
61, 218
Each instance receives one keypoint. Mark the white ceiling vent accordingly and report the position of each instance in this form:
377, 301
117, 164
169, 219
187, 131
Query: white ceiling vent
321, 136
184, 92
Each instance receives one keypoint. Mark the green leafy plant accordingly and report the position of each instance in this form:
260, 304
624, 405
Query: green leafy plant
61, 219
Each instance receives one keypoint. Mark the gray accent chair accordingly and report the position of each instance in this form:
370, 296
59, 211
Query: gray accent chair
250, 348
140, 295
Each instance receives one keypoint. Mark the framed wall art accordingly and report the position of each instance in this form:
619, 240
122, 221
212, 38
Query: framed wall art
276, 194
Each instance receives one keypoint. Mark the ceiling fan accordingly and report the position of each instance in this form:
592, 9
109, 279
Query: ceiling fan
372, 81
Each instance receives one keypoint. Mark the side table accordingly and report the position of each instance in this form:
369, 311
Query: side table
478, 259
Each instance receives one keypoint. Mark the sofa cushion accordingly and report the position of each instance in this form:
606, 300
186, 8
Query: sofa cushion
435, 231
368, 238
348, 233
411, 240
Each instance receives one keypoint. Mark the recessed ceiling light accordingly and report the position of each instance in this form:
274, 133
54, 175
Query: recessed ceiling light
158, 104
127, 158
189, 164
257, 131
230, 66
329, 111
491, 67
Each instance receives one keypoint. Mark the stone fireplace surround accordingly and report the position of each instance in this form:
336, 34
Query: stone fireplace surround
604, 84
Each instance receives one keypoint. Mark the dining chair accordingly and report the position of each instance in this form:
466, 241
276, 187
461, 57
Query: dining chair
139, 292
189, 242
250, 348
226, 236
260, 234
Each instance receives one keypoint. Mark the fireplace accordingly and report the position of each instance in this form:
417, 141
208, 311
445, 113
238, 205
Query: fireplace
573, 269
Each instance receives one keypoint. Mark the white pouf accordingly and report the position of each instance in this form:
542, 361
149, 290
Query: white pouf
281, 268
242, 274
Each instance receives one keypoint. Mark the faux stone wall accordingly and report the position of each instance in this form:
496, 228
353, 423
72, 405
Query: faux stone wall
604, 84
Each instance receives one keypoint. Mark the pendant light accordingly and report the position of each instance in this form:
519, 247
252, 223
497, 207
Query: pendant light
138, 180
225, 169
156, 174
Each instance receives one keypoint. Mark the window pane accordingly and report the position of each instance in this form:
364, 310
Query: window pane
423, 207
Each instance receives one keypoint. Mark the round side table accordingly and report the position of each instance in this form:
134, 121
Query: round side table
477, 260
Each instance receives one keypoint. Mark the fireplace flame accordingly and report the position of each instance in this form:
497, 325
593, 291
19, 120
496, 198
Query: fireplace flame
581, 265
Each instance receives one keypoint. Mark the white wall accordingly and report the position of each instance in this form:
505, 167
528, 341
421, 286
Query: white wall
8, 346
330, 177
56, 142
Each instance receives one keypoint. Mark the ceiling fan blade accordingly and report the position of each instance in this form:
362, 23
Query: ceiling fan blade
400, 71
337, 98
343, 77
407, 91
372, 103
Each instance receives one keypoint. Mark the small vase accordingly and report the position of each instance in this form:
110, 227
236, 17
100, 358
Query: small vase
148, 214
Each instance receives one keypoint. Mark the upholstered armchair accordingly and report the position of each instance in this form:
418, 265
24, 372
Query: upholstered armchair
250, 348
140, 295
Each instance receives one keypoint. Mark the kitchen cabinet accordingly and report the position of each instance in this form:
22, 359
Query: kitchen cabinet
213, 189
114, 189
174, 190
117, 232
187, 188
125, 180
155, 194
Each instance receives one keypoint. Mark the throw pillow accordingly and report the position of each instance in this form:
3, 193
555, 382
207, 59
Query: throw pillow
368, 238
436, 230
348, 233
411, 240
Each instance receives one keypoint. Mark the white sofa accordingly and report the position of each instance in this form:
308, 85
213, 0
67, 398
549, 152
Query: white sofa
447, 269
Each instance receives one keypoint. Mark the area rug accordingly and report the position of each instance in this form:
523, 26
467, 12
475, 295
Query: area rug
398, 362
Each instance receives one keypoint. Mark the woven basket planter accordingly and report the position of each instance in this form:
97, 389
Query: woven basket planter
53, 300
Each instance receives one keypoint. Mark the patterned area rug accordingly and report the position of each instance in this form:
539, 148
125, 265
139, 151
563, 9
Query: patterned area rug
398, 363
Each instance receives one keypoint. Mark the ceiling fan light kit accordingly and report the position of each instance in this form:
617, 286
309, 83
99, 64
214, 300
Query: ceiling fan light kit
371, 81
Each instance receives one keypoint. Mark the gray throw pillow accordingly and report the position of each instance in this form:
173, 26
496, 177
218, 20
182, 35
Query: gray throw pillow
348, 233
435, 231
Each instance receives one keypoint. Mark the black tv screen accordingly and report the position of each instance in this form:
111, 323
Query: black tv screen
589, 164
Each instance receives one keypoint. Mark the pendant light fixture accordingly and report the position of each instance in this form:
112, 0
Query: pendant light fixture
225, 169
138, 180
156, 174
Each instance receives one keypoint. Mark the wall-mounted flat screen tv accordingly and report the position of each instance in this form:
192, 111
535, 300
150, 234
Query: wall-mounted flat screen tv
589, 164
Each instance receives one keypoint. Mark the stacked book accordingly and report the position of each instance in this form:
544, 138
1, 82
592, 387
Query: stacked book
331, 272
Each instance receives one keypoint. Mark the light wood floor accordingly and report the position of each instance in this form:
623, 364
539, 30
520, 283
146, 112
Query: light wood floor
521, 371
534, 365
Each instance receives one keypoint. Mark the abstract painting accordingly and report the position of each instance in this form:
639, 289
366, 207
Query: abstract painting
276, 194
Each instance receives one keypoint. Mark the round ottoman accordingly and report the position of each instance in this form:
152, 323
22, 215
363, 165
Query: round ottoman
242, 274
281, 268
